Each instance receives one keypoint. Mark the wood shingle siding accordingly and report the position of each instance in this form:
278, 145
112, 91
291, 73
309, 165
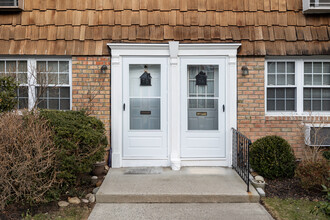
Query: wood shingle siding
84, 27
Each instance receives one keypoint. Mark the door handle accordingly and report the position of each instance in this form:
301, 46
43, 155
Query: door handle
223, 108
124, 107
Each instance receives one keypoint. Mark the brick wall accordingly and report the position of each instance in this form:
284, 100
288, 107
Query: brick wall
91, 88
251, 119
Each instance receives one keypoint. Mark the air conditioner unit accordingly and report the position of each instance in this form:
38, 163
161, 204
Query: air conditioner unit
316, 6
11, 5
317, 135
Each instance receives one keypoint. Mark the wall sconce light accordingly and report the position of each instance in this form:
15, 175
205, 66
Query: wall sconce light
245, 70
103, 69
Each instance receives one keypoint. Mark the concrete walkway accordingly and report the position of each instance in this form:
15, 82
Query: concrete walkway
189, 185
178, 211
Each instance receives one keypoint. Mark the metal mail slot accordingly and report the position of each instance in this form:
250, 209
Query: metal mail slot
145, 112
201, 113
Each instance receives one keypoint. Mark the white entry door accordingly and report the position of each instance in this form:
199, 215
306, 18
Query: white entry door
203, 107
144, 108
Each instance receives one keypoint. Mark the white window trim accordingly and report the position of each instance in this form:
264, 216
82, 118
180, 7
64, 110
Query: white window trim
299, 85
32, 63
174, 52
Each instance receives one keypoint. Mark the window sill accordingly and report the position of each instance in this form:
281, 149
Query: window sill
286, 114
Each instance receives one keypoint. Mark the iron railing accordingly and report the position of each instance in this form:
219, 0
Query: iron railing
240, 157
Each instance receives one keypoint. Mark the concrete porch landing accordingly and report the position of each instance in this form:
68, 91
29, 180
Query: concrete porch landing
189, 185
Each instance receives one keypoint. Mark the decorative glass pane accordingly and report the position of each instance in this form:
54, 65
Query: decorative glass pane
271, 67
42, 103
41, 66
317, 67
280, 105
135, 88
271, 79
53, 78
145, 113
326, 93
53, 66
65, 92
280, 79
317, 79
308, 67
22, 78
280, 67
64, 66
316, 105
271, 93
2, 66
307, 105
326, 105
316, 93
205, 117
290, 67
270, 105
307, 93
53, 104
290, 93
326, 67
65, 104
64, 79
290, 79
326, 80
280, 93
308, 80
22, 66
290, 105
11, 66
54, 93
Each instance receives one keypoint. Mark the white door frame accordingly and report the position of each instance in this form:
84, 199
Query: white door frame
174, 51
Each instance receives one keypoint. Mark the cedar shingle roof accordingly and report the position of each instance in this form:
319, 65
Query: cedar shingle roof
83, 27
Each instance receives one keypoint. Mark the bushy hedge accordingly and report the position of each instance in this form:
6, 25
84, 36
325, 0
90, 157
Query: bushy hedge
8, 87
81, 141
272, 157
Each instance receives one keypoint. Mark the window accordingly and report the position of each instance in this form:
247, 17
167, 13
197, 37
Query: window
11, 5
316, 6
298, 86
42, 83
281, 90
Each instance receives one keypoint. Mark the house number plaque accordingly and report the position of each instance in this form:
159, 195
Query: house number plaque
201, 113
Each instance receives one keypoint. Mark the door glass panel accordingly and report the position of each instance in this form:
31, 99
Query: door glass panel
203, 98
145, 99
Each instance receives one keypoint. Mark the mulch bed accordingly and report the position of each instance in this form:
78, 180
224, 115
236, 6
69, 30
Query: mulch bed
15, 211
290, 188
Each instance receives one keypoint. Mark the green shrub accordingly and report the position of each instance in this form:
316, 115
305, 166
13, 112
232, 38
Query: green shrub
326, 155
81, 141
314, 174
8, 89
272, 157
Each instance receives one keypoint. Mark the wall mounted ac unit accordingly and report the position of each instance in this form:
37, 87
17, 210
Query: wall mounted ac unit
316, 6
317, 135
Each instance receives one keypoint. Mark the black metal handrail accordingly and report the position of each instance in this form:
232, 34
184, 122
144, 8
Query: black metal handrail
240, 157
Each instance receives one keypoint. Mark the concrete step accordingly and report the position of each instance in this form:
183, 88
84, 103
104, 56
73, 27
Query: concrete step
191, 211
189, 185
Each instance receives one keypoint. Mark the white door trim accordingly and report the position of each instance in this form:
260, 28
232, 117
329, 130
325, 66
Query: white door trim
172, 50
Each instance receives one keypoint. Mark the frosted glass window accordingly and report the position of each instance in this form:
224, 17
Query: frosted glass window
145, 101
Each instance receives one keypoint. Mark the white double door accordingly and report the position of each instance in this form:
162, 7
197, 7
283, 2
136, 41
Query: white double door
145, 108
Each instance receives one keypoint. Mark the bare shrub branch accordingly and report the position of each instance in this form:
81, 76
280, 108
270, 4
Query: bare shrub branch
27, 158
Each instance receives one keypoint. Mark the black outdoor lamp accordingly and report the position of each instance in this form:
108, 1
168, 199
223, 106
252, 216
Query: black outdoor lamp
245, 70
103, 69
